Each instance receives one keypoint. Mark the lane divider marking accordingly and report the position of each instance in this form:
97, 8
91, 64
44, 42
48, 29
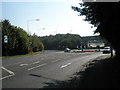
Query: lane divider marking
37, 66
35, 62
25, 64
63, 66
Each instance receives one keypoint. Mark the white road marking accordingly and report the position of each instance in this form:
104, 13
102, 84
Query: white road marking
23, 64
30, 63
7, 70
10, 72
37, 66
6, 77
63, 66
35, 62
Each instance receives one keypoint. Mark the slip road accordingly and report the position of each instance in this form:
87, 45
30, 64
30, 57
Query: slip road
35, 71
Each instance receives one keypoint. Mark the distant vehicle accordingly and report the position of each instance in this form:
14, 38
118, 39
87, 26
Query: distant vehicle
106, 50
67, 50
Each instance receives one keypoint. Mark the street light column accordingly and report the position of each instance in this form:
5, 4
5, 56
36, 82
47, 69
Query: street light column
28, 24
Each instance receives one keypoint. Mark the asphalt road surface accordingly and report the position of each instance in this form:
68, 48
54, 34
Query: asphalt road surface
35, 71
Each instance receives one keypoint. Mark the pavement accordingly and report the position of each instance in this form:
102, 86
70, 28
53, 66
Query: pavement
35, 71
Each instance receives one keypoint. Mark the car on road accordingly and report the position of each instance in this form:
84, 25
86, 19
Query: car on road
67, 50
106, 50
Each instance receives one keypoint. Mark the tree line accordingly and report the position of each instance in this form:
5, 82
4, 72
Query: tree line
20, 43
17, 41
61, 41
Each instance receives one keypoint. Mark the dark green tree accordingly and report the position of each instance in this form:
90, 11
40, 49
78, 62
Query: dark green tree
60, 41
104, 16
18, 40
36, 44
22, 42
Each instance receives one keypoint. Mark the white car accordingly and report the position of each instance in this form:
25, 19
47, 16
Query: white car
106, 50
67, 50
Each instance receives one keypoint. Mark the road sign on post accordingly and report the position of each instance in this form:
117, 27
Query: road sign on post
5, 39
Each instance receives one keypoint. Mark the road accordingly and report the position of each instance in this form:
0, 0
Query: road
35, 71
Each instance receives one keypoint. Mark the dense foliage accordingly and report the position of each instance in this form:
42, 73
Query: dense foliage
36, 44
106, 17
61, 41
18, 40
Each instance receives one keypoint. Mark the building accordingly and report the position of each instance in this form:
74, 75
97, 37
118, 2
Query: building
95, 43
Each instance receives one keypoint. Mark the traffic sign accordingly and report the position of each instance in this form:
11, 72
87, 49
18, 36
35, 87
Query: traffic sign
5, 39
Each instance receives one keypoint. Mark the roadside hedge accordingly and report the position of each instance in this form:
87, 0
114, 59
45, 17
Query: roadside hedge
19, 42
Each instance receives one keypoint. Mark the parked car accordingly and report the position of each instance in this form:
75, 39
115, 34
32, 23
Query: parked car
67, 50
106, 50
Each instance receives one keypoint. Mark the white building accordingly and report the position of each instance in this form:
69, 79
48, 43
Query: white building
95, 43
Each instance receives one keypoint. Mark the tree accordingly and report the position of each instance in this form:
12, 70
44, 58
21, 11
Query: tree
22, 42
18, 40
104, 16
60, 41
36, 44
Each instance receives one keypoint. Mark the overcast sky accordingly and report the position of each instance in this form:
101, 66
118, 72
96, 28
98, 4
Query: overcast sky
55, 17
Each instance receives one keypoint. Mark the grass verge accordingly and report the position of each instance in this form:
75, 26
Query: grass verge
33, 53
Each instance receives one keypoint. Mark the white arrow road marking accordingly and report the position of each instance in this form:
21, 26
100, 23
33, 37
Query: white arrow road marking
10, 72
63, 66
37, 66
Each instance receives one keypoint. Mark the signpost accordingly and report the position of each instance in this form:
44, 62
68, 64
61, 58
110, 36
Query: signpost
6, 41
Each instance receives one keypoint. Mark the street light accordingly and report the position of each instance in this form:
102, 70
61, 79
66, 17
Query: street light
28, 23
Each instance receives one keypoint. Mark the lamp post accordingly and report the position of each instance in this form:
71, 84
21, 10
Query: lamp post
30, 41
28, 23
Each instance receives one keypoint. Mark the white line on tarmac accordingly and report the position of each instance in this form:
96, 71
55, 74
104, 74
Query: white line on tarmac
25, 64
6, 77
37, 66
63, 66
35, 62
10, 72
7, 70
